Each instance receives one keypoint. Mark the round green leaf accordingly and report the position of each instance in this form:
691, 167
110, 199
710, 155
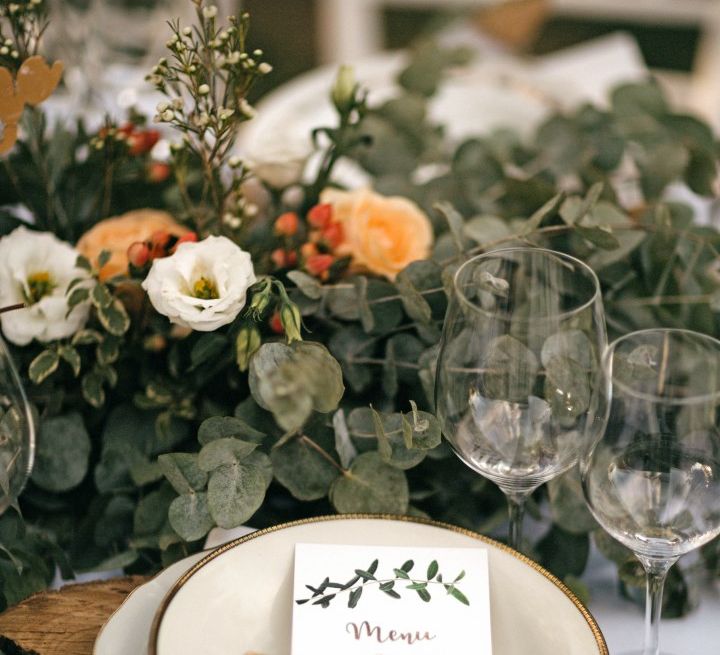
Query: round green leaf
223, 451
190, 516
371, 485
511, 370
219, 427
235, 493
63, 449
302, 470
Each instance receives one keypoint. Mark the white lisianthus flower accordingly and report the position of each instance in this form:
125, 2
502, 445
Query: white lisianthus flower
203, 285
36, 269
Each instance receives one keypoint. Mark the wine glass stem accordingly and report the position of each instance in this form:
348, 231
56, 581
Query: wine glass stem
516, 508
656, 572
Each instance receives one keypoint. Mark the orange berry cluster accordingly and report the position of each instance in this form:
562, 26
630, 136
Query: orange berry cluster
161, 244
316, 254
139, 142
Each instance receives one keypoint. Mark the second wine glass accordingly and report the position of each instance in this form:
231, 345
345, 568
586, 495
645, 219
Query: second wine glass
521, 345
651, 472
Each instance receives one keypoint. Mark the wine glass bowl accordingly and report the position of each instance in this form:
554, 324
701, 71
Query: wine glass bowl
651, 472
17, 433
521, 343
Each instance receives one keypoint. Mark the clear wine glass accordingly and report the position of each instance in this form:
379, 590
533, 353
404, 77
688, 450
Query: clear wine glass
521, 344
651, 473
17, 433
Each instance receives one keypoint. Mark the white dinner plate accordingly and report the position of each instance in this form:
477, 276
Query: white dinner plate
238, 599
127, 631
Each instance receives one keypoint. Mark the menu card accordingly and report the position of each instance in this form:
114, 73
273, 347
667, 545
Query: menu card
371, 600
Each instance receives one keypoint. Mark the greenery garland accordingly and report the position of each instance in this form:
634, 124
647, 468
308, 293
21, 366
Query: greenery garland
147, 440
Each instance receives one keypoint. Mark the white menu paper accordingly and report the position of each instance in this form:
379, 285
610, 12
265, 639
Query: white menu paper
378, 600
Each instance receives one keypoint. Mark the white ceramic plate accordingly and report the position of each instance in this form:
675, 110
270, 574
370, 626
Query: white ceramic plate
127, 631
238, 599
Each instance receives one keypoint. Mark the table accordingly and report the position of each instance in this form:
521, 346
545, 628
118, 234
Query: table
66, 622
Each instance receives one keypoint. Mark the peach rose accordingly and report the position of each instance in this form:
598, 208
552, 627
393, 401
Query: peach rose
119, 233
383, 234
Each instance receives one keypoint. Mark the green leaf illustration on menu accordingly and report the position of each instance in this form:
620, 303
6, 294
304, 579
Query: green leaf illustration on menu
404, 578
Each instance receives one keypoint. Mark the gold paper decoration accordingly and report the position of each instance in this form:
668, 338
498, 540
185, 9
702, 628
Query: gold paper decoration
34, 83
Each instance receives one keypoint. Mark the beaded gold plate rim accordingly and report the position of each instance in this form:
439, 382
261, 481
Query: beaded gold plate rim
165, 604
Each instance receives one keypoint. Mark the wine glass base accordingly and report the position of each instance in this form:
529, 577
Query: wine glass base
640, 651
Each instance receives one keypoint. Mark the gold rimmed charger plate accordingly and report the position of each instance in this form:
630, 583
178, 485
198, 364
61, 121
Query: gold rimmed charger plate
238, 599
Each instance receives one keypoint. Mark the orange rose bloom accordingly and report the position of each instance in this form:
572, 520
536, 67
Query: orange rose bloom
382, 234
119, 233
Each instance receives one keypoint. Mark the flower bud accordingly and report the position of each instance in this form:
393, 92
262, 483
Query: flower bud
318, 265
259, 303
276, 324
287, 224
333, 235
343, 92
138, 254
291, 321
320, 216
158, 172
247, 342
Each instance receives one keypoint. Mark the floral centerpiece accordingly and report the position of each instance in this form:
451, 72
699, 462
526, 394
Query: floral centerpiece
208, 342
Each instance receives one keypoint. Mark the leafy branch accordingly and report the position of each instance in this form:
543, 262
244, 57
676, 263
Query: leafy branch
327, 590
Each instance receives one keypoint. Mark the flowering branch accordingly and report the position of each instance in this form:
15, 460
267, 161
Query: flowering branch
22, 24
206, 80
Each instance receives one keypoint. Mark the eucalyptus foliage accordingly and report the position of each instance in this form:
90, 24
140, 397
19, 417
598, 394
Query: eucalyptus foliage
147, 441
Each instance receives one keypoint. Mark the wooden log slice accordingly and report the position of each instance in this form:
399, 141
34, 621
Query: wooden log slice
66, 622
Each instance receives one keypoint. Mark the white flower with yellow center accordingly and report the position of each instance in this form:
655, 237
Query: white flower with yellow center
36, 269
203, 285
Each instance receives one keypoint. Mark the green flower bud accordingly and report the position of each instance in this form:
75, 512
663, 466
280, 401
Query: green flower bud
291, 321
247, 342
343, 92
259, 303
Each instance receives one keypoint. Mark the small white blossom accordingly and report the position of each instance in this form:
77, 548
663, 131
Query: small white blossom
203, 285
232, 221
187, 31
234, 161
36, 268
210, 11
264, 68
233, 57
4, 50
177, 104
225, 113
202, 120
246, 108
251, 209
162, 106
168, 115
203, 89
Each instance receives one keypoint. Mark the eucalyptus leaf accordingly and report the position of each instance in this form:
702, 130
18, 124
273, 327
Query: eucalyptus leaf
220, 427
344, 446
305, 473
370, 485
183, 472
235, 493
190, 517
62, 455
510, 370
221, 452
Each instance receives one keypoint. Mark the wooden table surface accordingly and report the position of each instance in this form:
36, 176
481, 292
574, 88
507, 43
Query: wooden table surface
65, 622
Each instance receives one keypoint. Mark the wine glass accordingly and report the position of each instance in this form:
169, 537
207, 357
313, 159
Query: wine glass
651, 473
17, 433
522, 340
